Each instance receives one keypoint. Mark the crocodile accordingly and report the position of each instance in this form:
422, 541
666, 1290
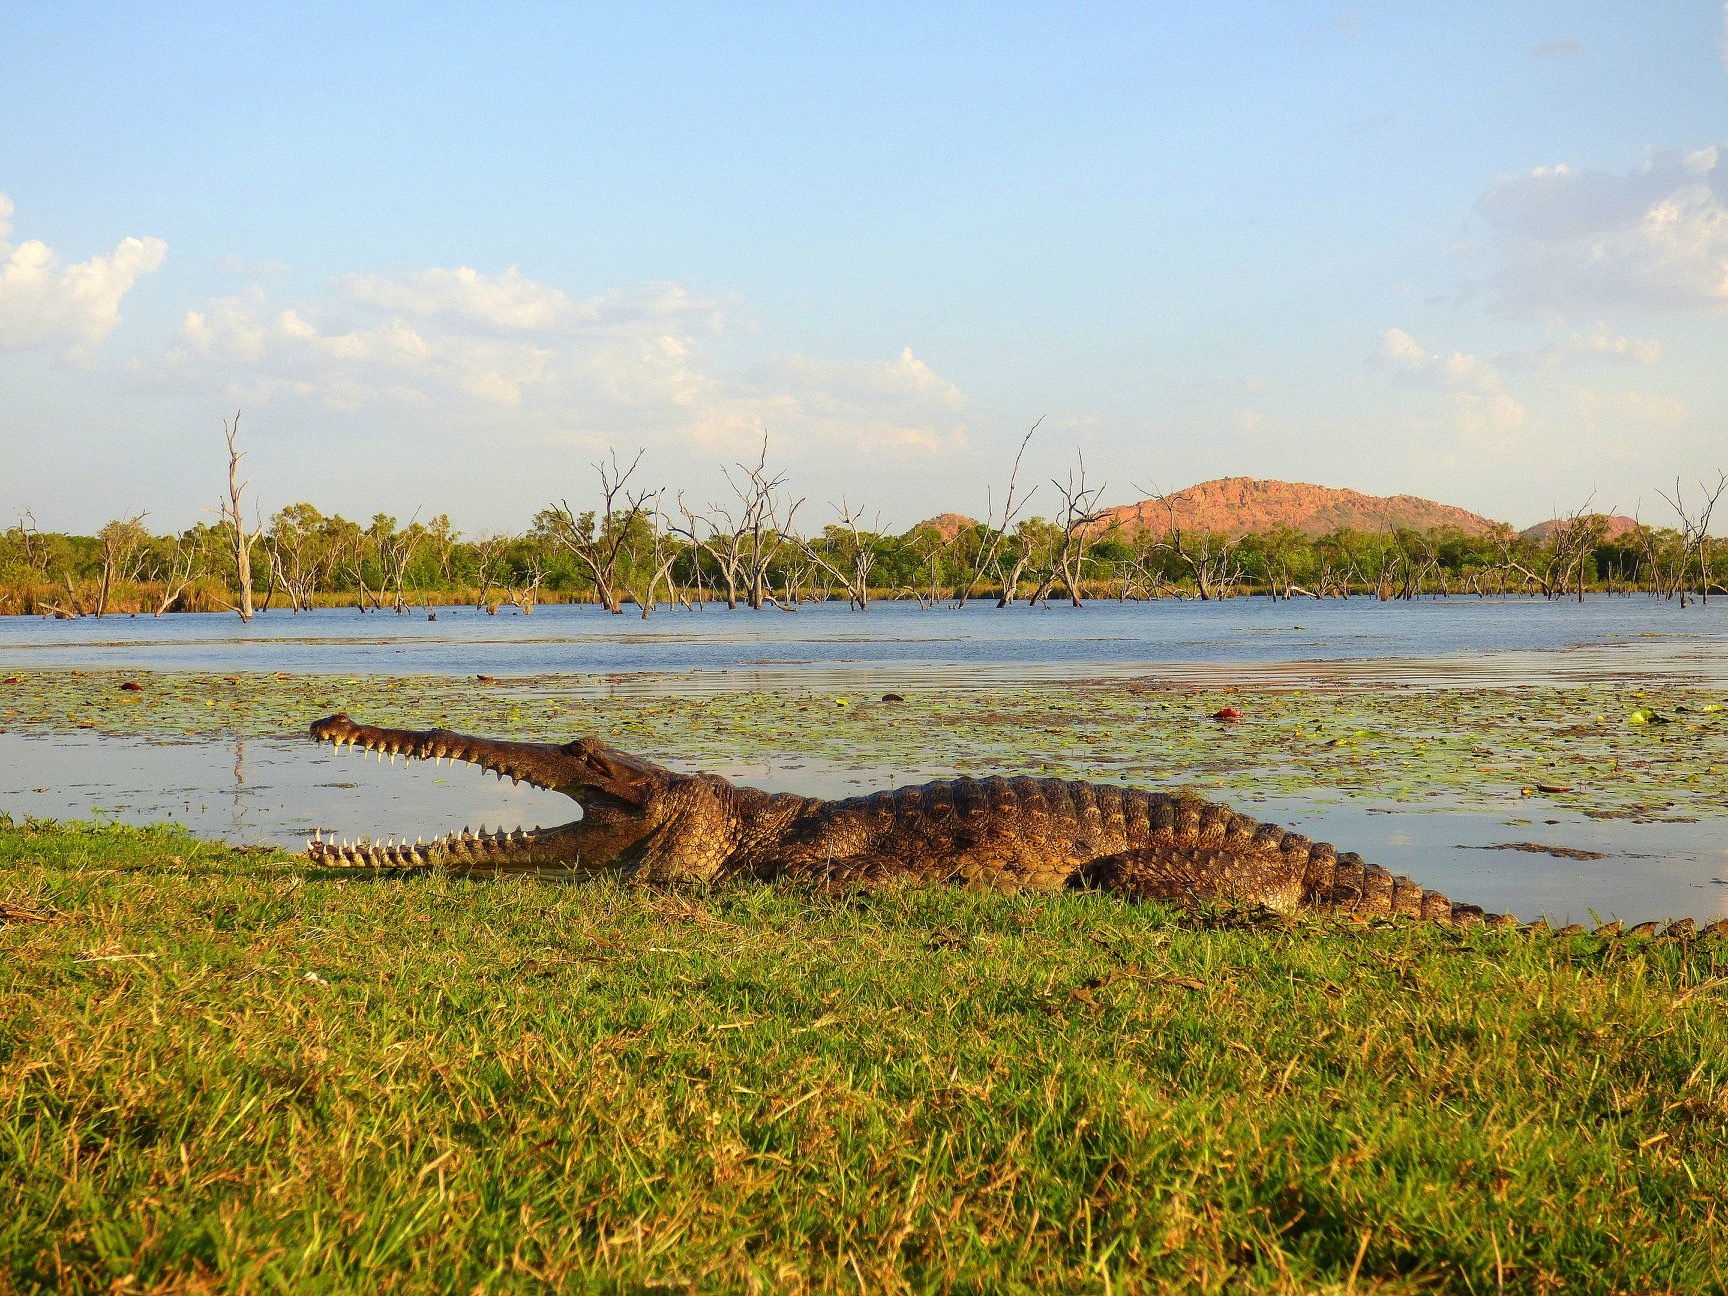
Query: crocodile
643, 821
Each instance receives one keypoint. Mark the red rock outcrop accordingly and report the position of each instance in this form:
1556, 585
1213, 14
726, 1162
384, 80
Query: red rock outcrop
1236, 505
1618, 525
946, 525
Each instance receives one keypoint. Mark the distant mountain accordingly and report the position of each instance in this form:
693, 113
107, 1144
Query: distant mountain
1618, 525
946, 525
1242, 504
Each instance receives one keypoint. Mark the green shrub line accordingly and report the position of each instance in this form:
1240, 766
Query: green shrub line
621, 556
223, 1071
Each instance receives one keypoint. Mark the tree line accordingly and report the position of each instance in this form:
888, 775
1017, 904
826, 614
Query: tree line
643, 547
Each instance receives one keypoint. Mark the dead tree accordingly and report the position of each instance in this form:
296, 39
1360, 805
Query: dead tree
396, 553
853, 557
490, 555
1080, 515
241, 540
123, 550
1695, 542
929, 546
1030, 554
176, 570
1209, 558
30, 545
996, 530
644, 576
599, 541
1019, 554
763, 527
723, 544
351, 549
1556, 563
523, 594
300, 554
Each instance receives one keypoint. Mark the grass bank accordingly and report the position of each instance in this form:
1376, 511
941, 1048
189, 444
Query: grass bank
220, 1071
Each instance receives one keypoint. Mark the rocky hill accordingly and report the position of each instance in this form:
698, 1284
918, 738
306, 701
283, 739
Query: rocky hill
1241, 504
946, 525
1618, 525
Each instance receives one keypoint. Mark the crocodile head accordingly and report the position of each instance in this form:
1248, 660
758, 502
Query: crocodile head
631, 809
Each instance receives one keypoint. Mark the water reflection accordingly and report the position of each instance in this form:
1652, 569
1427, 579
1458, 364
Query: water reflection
260, 790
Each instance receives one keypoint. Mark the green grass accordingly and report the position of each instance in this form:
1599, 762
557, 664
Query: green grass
220, 1071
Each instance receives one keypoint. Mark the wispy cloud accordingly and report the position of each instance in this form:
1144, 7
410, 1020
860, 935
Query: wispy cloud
1574, 241
45, 303
1621, 426
1485, 411
1600, 344
623, 366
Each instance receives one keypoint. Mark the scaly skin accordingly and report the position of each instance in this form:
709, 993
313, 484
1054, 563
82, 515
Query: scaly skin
643, 821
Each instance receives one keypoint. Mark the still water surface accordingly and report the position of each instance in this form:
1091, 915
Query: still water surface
1457, 640
262, 791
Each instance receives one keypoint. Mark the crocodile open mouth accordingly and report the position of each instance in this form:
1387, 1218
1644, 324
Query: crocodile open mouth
506, 850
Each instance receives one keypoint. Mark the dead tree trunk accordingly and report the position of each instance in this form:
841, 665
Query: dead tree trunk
241, 540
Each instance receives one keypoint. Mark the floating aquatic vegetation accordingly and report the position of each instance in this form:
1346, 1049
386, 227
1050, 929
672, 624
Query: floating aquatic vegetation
1572, 746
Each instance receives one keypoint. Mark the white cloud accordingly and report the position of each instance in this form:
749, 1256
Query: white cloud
1638, 410
509, 302
226, 329
621, 367
390, 362
1605, 345
880, 384
44, 303
1623, 427
1485, 410
1599, 345
506, 301
1577, 241
870, 405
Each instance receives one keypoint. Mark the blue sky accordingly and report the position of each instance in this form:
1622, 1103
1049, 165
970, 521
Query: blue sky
444, 256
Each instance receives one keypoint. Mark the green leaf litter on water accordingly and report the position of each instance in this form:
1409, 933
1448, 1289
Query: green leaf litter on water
1474, 746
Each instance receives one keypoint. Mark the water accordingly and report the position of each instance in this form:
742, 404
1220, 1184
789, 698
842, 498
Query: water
1461, 641
259, 791
267, 791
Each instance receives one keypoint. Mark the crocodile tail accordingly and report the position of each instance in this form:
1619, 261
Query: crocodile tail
1346, 883
1680, 929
